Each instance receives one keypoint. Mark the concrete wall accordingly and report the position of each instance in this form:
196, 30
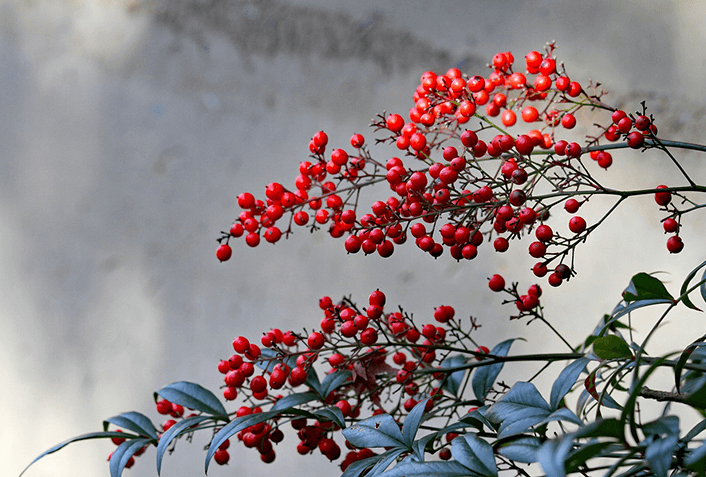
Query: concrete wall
127, 129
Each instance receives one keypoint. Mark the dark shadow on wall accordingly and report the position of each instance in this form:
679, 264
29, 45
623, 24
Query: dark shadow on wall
270, 27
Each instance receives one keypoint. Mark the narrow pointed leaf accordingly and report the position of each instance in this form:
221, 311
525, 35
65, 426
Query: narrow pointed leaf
194, 396
588, 451
452, 381
233, 427
428, 469
122, 455
567, 378
562, 414
82, 437
485, 376
683, 358
175, 431
474, 453
685, 286
518, 410
663, 425
522, 450
293, 400
419, 446
135, 422
376, 431
412, 422
334, 381
552, 456
659, 454
387, 458
694, 457
331, 413
622, 310
358, 467
645, 287
611, 347
312, 380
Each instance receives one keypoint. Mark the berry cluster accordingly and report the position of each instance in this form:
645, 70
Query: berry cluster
457, 187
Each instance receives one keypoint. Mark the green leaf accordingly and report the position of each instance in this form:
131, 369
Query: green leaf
334, 381
474, 453
175, 431
293, 400
135, 422
331, 413
590, 450
419, 446
552, 455
428, 469
312, 380
611, 347
697, 397
522, 450
82, 437
695, 431
622, 310
683, 358
627, 417
566, 380
484, 377
518, 410
610, 427
412, 422
693, 460
376, 431
685, 286
122, 455
661, 426
562, 414
194, 396
235, 426
386, 459
659, 454
360, 466
646, 287
452, 381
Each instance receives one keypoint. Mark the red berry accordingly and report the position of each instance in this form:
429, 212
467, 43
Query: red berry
675, 244
571, 206
530, 114
501, 244
577, 224
537, 249
544, 233
635, 140
224, 252
316, 340
241, 344
496, 283
663, 198
554, 280
568, 121
670, 225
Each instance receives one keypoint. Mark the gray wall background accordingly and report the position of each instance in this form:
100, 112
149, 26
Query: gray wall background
127, 129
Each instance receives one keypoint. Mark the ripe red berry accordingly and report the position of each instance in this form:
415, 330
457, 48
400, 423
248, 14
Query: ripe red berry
394, 122
571, 206
501, 244
544, 233
357, 140
241, 344
568, 121
663, 198
635, 140
496, 283
316, 340
577, 224
369, 336
675, 244
537, 249
670, 225
224, 252
554, 280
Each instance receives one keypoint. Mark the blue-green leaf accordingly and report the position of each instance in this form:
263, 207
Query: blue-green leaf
334, 381
412, 422
474, 453
376, 431
663, 425
82, 437
386, 459
428, 469
695, 431
122, 455
360, 466
194, 396
566, 380
611, 347
621, 309
235, 426
685, 286
485, 376
293, 400
452, 381
645, 287
331, 413
659, 454
175, 431
312, 380
695, 456
610, 427
518, 410
522, 450
552, 456
562, 414
135, 422
419, 446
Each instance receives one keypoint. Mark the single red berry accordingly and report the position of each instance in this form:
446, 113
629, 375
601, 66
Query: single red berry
224, 252
675, 244
357, 140
663, 198
572, 206
394, 122
369, 336
482, 350
539, 269
241, 344
496, 283
563, 271
537, 249
501, 244
508, 118
544, 233
316, 340
568, 121
670, 225
554, 280
577, 224
635, 140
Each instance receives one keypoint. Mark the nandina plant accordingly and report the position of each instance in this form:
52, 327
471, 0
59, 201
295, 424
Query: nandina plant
483, 166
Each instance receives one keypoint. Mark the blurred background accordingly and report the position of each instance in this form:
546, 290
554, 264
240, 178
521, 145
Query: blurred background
128, 128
